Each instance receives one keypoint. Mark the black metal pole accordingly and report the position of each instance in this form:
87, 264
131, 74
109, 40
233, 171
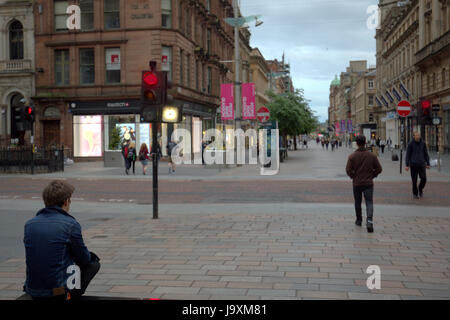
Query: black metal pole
155, 169
402, 143
32, 148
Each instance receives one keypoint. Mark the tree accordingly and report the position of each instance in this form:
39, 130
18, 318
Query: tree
116, 139
292, 112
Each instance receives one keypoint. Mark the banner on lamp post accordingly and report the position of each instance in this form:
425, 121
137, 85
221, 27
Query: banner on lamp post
227, 101
248, 101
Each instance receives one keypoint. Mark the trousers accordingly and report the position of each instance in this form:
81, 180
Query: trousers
422, 173
358, 192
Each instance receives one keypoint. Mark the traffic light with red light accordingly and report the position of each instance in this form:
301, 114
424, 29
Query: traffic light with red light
426, 108
153, 95
29, 115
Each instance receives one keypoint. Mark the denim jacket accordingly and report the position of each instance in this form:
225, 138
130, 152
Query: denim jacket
53, 242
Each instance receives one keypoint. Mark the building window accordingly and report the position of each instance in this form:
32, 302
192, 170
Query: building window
370, 100
112, 14
61, 15
166, 7
181, 67
444, 80
16, 41
434, 81
208, 5
167, 52
196, 74
112, 65
208, 41
370, 117
62, 67
87, 66
180, 17
87, 14
188, 71
209, 80
371, 84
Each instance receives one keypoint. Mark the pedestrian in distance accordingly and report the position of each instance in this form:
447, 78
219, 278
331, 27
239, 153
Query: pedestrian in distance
59, 266
382, 145
156, 150
322, 141
125, 149
362, 167
170, 148
144, 157
418, 160
132, 156
327, 142
389, 143
333, 142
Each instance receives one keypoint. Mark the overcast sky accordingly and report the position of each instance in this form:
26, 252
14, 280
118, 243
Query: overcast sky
319, 38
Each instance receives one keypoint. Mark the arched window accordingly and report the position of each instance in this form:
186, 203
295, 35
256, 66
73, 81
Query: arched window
16, 41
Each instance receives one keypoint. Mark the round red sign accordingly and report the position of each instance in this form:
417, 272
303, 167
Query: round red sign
404, 108
263, 114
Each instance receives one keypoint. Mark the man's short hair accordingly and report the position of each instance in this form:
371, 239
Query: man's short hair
56, 193
361, 140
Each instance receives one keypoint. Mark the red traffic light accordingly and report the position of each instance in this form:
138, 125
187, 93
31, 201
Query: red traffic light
150, 79
29, 110
426, 104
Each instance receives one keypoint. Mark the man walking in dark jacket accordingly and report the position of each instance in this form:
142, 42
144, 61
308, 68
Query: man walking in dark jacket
59, 266
418, 160
363, 166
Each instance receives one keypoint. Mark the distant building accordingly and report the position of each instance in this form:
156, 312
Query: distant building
16, 68
413, 51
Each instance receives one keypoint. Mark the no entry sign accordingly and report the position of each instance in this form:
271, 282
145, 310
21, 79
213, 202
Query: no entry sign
404, 108
263, 114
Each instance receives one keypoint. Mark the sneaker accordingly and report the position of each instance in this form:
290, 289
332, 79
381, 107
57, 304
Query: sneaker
358, 222
420, 194
369, 226
415, 196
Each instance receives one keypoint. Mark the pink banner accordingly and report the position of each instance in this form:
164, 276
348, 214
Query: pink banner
227, 101
248, 101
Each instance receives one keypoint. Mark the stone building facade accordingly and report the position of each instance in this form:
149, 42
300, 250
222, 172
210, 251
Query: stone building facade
88, 80
16, 67
413, 51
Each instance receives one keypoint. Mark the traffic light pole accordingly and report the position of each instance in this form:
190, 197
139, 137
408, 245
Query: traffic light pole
32, 147
155, 169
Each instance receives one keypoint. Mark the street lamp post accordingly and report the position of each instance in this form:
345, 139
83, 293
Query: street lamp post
238, 22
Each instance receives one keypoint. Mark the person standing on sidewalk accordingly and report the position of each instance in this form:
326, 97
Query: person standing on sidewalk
418, 160
362, 167
58, 264
170, 146
132, 156
382, 145
143, 157
125, 149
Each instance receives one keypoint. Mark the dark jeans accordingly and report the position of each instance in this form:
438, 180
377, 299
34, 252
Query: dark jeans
422, 173
358, 192
88, 272
382, 149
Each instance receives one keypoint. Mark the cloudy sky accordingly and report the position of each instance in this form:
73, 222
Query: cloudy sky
319, 38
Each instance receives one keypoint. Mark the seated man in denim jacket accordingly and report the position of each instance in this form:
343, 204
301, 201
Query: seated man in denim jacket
59, 265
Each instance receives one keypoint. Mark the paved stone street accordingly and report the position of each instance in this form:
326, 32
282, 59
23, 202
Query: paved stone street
303, 246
